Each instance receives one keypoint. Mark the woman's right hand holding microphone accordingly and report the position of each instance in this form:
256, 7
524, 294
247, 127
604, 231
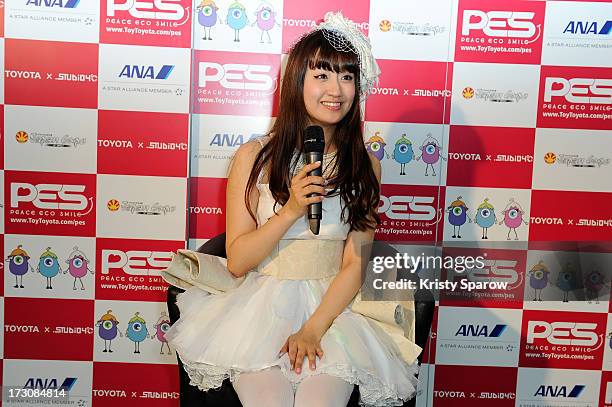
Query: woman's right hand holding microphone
301, 186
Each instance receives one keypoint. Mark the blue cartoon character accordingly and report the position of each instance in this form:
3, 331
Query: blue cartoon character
567, 281
538, 279
265, 18
78, 266
403, 153
19, 265
593, 283
430, 153
107, 329
457, 215
161, 327
485, 217
513, 217
48, 266
207, 17
137, 331
376, 146
236, 19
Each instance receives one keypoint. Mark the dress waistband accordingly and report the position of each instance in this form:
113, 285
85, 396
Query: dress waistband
304, 259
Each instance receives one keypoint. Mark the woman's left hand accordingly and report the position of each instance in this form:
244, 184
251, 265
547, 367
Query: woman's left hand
305, 342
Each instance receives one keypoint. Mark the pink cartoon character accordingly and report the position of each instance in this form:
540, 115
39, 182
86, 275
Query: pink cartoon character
265, 19
593, 283
513, 217
430, 153
78, 266
161, 327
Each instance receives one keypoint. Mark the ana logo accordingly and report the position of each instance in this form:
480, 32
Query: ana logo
165, 9
21, 137
468, 93
54, 3
113, 205
146, 72
563, 333
511, 24
559, 391
384, 26
49, 196
135, 262
588, 27
407, 207
230, 140
579, 90
550, 158
46, 383
237, 76
481, 330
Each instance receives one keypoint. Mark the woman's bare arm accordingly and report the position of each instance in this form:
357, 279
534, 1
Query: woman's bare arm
246, 245
347, 282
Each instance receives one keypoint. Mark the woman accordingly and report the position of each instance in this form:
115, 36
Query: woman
285, 336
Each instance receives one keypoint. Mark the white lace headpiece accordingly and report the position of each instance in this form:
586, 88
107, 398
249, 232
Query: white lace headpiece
344, 35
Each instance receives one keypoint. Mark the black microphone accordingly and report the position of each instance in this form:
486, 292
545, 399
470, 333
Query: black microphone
314, 145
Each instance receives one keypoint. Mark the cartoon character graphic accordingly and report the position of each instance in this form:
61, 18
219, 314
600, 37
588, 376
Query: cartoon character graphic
207, 17
78, 266
161, 327
457, 215
538, 279
48, 266
376, 146
265, 18
513, 217
567, 281
485, 217
593, 283
236, 19
403, 153
137, 331
19, 265
107, 329
430, 153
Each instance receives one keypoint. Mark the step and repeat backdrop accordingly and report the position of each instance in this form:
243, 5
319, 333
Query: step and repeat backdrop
492, 121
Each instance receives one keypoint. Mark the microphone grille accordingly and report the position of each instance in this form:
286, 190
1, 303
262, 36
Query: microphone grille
314, 139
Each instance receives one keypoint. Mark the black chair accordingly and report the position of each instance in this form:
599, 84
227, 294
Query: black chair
225, 396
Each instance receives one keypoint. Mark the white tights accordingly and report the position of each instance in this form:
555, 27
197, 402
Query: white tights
270, 388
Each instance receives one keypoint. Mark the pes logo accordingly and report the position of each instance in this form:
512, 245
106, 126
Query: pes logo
155, 10
505, 24
563, 333
409, 212
565, 340
135, 262
50, 196
236, 83
133, 265
238, 76
575, 97
508, 34
50, 203
579, 90
399, 207
157, 23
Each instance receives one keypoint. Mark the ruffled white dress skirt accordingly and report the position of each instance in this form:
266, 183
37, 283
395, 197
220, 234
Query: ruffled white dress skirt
220, 336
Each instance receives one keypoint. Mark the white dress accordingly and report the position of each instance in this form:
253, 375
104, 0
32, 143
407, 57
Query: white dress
219, 336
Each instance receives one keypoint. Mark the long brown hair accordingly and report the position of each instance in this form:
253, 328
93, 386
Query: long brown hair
354, 179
